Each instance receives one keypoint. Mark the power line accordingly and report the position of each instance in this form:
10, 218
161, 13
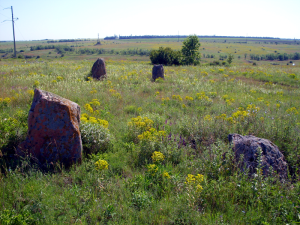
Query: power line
20, 32
4, 15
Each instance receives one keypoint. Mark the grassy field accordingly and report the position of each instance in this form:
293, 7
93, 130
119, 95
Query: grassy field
212, 46
165, 142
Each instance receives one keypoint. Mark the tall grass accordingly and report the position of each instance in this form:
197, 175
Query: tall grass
189, 114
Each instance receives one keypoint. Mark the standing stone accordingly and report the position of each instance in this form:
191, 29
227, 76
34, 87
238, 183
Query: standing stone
98, 69
53, 130
249, 147
158, 71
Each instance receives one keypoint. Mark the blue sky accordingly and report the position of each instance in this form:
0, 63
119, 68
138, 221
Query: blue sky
66, 19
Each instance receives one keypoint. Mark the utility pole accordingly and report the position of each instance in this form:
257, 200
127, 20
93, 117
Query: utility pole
98, 41
13, 25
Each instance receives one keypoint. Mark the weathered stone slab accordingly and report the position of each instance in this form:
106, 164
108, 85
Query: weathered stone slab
99, 69
249, 146
53, 130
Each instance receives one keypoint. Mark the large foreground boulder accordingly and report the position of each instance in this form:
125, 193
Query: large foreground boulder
99, 69
250, 146
53, 130
158, 72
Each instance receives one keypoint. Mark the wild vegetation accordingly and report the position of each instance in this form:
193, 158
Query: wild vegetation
154, 152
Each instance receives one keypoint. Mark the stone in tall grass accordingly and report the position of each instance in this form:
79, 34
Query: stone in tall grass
98, 69
53, 130
158, 72
258, 153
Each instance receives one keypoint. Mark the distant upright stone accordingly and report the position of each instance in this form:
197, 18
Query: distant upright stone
98, 69
249, 146
53, 130
158, 71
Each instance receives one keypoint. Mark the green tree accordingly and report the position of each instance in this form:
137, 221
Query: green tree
190, 50
230, 57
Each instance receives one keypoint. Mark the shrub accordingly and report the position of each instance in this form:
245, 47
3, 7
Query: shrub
95, 138
165, 56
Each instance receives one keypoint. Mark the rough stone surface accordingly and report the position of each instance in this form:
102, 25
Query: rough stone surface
249, 147
158, 71
98, 69
53, 130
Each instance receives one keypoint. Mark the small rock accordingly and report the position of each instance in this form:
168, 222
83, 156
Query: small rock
53, 130
158, 71
98, 69
249, 147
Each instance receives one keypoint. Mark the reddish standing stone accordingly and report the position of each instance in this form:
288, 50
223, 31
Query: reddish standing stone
98, 69
53, 130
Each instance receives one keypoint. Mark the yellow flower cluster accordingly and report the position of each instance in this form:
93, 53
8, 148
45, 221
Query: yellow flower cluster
93, 91
88, 108
152, 169
152, 135
279, 92
252, 109
115, 93
165, 99
189, 98
260, 99
36, 83
252, 91
221, 70
59, 78
292, 110
212, 81
156, 93
166, 175
30, 92
95, 102
202, 96
5, 100
204, 73
222, 117
90, 119
91, 107
157, 157
123, 78
177, 97
228, 100
101, 165
208, 118
240, 114
141, 123
292, 75
192, 180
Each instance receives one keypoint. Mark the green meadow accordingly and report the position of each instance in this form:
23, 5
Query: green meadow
153, 152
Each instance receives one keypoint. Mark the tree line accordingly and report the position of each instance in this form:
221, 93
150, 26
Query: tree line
279, 56
178, 36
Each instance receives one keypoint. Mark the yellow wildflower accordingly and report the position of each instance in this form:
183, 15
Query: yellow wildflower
157, 157
101, 165
166, 175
